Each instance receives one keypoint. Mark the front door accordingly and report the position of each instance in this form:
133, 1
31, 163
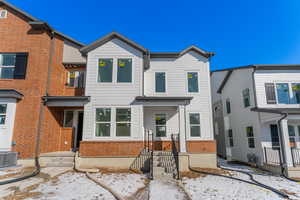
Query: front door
79, 129
7, 115
160, 130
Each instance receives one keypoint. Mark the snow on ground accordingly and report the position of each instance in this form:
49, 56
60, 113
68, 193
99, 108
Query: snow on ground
9, 171
162, 190
212, 187
71, 186
266, 178
125, 184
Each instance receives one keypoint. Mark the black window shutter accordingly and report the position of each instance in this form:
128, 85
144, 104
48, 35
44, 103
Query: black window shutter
270, 93
21, 65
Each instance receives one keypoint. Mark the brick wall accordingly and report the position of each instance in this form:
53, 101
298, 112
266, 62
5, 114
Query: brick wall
201, 146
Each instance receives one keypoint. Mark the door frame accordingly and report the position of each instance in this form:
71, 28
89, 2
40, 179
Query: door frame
75, 127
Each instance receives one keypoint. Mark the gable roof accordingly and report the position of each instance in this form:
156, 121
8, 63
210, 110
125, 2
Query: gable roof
256, 67
178, 54
108, 37
34, 22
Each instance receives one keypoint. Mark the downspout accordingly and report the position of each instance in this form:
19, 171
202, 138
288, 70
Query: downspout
284, 162
40, 120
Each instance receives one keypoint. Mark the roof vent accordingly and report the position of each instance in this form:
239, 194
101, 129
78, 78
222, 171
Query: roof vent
3, 14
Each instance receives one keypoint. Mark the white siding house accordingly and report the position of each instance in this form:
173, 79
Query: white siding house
261, 115
161, 94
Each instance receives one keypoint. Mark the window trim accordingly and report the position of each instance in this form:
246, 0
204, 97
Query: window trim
166, 86
290, 90
123, 122
192, 125
7, 66
187, 82
251, 137
4, 114
103, 122
117, 68
244, 97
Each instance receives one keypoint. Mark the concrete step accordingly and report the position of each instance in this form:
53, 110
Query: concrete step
58, 154
62, 159
60, 164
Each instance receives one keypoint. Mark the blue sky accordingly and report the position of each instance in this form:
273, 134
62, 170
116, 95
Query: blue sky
240, 32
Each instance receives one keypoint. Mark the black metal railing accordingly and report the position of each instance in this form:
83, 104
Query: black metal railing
272, 156
175, 150
296, 156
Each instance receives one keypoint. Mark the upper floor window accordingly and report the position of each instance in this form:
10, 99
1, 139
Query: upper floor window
250, 136
160, 82
296, 93
76, 79
3, 108
246, 97
228, 106
283, 94
105, 70
3, 14
124, 70
195, 124
7, 66
192, 82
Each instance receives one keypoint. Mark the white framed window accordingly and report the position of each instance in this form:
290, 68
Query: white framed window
246, 97
160, 82
68, 118
124, 70
123, 122
105, 70
3, 14
103, 122
3, 109
76, 79
192, 82
250, 136
195, 128
7, 65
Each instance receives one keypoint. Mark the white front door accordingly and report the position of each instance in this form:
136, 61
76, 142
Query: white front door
7, 117
160, 122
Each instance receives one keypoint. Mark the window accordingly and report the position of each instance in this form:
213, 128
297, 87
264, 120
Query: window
76, 79
250, 136
161, 125
160, 82
68, 119
274, 135
3, 14
195, 124
123, 119
283, 95
124, 70
296, 93
228, 107
103, 122
7, 66
292, 134
246, 97
299, 130
105, 69
3, 108
230, 136
192, 82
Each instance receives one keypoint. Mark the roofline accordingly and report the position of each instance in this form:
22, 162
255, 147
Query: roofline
106, 38
274, 110
33, 20
255, 67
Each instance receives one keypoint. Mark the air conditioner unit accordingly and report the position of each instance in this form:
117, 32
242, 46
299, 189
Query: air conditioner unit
3, 14
8, 159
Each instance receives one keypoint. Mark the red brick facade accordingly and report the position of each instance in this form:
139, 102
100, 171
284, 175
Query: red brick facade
16, 35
